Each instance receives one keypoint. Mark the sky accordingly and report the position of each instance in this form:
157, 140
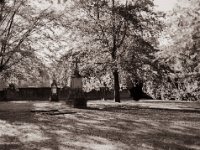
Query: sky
162, 5
165, 5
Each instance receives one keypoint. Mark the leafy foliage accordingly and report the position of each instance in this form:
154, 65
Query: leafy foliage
181, 53
26, 29
119, 37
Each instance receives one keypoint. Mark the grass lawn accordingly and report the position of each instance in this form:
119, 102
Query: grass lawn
105, 125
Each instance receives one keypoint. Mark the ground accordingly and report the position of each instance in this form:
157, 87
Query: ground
105, 125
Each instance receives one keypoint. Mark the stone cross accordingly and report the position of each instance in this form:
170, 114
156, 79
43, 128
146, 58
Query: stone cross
76, 63
76, 71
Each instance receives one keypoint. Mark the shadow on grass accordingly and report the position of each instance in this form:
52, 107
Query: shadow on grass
136, 107
100, 128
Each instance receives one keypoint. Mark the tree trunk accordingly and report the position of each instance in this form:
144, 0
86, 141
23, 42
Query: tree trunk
116, 86
114, 55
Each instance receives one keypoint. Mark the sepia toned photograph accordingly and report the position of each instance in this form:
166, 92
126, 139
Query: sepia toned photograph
99, 74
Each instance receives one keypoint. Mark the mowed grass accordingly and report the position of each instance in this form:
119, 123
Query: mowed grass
105, 125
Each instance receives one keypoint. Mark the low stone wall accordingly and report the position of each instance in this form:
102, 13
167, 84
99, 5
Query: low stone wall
27, 94
44, 93
2, 95
108, 94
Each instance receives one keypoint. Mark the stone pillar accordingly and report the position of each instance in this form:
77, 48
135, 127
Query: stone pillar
77, 97
54, 91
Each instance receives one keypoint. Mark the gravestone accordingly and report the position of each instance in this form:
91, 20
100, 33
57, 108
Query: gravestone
54, 91
77, 96
103, 91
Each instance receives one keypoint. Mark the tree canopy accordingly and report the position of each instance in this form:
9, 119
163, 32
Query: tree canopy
117, 43
181, 51
116, 37
26, 30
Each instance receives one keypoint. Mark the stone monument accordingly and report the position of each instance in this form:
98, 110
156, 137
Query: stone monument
77, 95
54, 91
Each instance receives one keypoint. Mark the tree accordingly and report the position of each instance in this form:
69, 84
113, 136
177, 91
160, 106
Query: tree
113, 29
181, 53
24, 30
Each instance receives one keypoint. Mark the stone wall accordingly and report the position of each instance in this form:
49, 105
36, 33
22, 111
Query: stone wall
108, 94
44, 93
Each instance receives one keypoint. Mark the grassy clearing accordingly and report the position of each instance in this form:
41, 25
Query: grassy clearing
104, 125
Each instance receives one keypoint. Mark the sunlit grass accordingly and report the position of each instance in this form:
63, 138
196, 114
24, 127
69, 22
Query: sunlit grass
104, 125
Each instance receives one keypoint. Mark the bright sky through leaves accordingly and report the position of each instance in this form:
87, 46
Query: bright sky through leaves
165, 5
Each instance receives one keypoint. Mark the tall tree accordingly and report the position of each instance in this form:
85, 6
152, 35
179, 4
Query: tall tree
23, 31
181, 49
112, 29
